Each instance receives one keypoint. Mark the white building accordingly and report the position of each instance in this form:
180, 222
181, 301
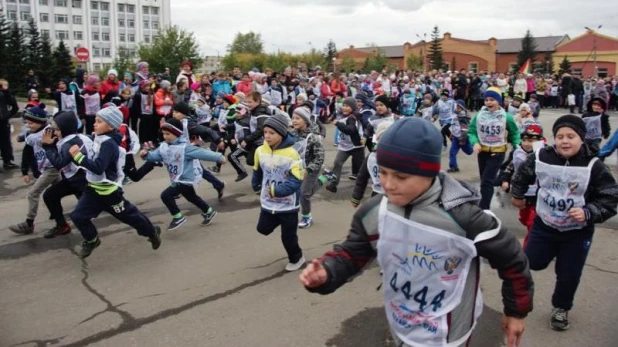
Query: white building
100, 26
212, 63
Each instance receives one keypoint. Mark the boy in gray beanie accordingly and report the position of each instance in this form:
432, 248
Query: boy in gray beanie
104, 191
428, 235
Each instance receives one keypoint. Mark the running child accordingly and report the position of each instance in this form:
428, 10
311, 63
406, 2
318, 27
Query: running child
142, 113
182, 161
426, 110
91, 101
104, 191
382, 114
597, 124
575, 192
459, 135
277, 177
428, 215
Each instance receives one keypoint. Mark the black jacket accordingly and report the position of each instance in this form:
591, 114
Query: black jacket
204, 132
602, 192
8, 105
256, 137
67, 124
350, 128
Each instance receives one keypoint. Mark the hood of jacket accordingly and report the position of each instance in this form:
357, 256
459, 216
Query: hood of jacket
66, 122
115, 135
261, 109
288, 141
449, 191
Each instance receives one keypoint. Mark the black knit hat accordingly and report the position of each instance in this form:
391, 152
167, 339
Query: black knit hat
351, 102
383, 99
279, 123
571, 121
183, 108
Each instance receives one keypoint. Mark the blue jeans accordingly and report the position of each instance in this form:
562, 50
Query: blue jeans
455, 147
569, 248
336, 135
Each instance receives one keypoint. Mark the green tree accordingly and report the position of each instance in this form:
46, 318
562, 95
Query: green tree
63, 66
549, 63
565, 66
231, 60
330, 53
527, 51
46, 69
414, 62
453, 64
247, 43
348, 64
375, 62
33, 54
435, 50
4, 38
123, 61
170, 48
15, 58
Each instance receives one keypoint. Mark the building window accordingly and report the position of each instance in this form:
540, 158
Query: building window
104, 6
44, 33
145, 9
11, 1
602, 72
77, 3
131, 23
60, 3
105, 21
130, 8
155, 25
473, 67
122, 37
24, 15
577, 71
96, 52
43, 2
121, 22
106, 52
44, 17
77, 19
11, 15
24, 1
95, 20
95, 36
131, 37
78, 35
512, 67
154, 11
147, 39
62, 34
120, 7
146, 24
94, 5
61, 18
105, 36
97, 66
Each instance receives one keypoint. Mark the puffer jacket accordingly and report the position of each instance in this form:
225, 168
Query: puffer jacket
449, 205
314, 153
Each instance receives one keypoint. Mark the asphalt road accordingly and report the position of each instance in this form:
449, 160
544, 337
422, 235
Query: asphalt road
224, 284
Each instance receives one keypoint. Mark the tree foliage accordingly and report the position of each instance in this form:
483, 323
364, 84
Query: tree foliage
348, 64
63, 67
275, 61
549, 63
435, 50
414, 62
123, 61
33, 56
15, 58
527, 51
46, 69
565, 66
453, 64
169, 49
249, 43
330, 52
375, 62
4, 37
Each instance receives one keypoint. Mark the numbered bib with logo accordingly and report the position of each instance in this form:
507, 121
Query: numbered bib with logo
519, 156
427, 114
146, 105
93, 104
561, 188
455, 127
376, 122
445, 110
68, 102
593, 128
34, 140
102, 178
374, 171
275, 170
174, 159
491, 129
424, 274
345, 141
239, 132
301, 148
71, 169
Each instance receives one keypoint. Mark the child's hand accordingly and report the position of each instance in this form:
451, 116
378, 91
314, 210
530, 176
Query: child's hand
314, 275
47, 138
26, 179
221, 145
578, 214
519, 203
143, 153
477, 148
505, 186
514, 329
243, 144
74, 150
223, 160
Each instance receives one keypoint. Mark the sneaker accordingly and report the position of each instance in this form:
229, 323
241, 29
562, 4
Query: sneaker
177, 197
241, 177
331, 188
176, 223
352, 177
10, 165
559, 319
57, 231
155, 239
305, 222
88, 247
215, 169
452, 170
22, 228
220, 192
295, 266
209, 216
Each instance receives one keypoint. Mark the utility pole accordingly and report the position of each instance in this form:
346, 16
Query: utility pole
594, 50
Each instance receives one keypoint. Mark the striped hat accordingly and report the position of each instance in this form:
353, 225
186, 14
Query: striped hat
173, 126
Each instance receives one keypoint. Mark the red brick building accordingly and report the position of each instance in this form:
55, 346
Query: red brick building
506, 52
580, 51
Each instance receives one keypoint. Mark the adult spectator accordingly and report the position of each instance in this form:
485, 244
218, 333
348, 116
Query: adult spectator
8, 108
530, 86
236, 74
186, 73
32, 81
476, 96
578, 91
166, 75
566, 85
520, 87
461, 84
142, 72
110, 84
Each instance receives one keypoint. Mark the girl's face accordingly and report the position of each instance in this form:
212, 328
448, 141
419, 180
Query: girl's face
218, 100
62, 85
402, 188
346, 109
596, 107
126, 95
300, 101
298, 122
568, 143
33, 126
200, 103
427, 101
381, 108
34, 96
272, 137
252, 103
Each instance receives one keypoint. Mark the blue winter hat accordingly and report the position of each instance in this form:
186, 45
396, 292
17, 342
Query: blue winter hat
362, 98
111, 115
36, 114
411, 145
461, 104
493, 93
221, 95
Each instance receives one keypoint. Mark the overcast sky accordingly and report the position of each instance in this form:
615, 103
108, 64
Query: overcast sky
295, 25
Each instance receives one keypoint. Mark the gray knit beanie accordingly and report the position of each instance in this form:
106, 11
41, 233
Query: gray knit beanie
279, 123
111, 115
303, 113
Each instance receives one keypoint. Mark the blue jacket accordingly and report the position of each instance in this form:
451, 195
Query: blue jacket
191, 153
221, 86
610, 146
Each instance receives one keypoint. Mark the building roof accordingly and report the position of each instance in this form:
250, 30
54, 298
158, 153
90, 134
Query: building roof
544, 44
388, 51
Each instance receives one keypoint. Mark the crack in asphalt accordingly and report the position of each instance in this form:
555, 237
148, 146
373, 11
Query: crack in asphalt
601, 269
41, 343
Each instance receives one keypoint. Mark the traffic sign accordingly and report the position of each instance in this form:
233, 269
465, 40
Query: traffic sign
82, 54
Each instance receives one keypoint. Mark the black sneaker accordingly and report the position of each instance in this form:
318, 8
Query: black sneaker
559, 319
220, 192
10, 165
241, 177
176, 223
88, 247
22, 228
57, 231
155, 239
215, 169
209, 216
352, 177
331, 188
452, 170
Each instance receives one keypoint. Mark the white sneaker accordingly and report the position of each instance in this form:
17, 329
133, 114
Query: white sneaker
295, 266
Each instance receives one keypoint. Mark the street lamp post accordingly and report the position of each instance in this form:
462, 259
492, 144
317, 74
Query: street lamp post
594, 49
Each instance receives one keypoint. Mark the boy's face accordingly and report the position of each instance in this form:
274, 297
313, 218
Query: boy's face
516, 102
183, 88
491, 104
596, 107
527, 143
200, 103
300, 101
346, 109
458, 109
34, 96
402, 188
62, 86
298, 123
568, 143
218, 100
57, 133
33, 126
272, 137
427, 101
100, 127
381, 108
252, 103
168, 137
178, 115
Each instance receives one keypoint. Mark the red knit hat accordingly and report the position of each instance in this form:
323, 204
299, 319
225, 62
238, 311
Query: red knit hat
230, 99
